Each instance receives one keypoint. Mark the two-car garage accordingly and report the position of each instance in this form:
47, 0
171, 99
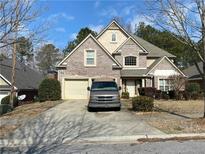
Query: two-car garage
76, 88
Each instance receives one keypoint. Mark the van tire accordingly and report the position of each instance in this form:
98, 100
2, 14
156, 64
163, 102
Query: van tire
90, 109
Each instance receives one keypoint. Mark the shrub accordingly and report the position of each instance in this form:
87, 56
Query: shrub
172, 94
201, 95
158, 94
142, 103
6, 100
186, 95
193, 89
49, 89
195, 96
36, 99
165, 95
5, 108
178, 95
125, 95
147, 91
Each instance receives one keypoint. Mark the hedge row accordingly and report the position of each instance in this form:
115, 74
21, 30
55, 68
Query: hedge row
192, 91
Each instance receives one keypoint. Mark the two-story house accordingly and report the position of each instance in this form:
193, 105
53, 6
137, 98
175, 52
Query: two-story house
129, 60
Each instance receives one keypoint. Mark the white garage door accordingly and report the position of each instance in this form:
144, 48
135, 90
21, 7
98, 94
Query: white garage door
76, 89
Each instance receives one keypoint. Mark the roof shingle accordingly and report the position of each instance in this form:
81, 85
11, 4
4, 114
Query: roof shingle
153, 50
192, 71
26, 78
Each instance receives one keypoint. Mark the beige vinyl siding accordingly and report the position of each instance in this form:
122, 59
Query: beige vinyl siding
106, 39
2, 82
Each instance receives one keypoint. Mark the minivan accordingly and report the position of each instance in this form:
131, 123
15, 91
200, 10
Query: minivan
104, 94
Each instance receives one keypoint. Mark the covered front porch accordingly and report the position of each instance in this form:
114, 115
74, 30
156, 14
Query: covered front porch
131, 84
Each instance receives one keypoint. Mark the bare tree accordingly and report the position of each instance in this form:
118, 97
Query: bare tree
186, 22
177, 83
17, 19
23, 23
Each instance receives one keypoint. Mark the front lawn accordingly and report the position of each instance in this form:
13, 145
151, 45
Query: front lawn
191, 107
10, 121
173, 117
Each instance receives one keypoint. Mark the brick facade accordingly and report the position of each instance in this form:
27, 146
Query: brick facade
132, 49
75, 64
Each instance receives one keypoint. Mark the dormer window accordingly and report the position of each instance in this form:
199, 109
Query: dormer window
114, 38
130, 61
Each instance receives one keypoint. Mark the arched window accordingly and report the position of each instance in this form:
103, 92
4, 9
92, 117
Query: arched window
130, 61
114, 39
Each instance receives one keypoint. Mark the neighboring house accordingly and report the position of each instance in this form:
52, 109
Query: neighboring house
194, 75
129, 60
26, 82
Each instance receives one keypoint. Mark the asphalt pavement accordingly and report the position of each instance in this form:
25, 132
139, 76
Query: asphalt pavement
169, 147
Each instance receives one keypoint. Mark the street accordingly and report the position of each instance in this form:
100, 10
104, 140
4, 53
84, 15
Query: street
169, 147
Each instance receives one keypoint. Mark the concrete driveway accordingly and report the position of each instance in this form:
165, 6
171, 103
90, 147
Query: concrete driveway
72, 120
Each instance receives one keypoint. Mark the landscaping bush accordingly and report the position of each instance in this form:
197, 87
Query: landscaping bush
5, 108
193, 89
6, 100
195, 96
142, 103
49, 89
186, 95
36, 99
201, 95
165, 95
172, 94
158, 94
147, 91
125, 95
178, 95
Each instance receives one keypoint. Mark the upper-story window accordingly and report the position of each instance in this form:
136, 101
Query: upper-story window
90, 58
114, 37
130, 61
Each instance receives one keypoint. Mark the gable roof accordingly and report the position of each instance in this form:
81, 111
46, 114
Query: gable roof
152, 50
89, 36
158, 61
111, 23
124, 31
130, 38
148, 47
193, 73
26, 78
145, 72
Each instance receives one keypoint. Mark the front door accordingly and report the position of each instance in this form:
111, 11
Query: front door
131, 87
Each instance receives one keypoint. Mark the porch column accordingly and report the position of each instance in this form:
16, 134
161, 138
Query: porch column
143, 82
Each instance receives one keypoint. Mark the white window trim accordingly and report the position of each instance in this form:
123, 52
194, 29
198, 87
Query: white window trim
164, 84
85, 57
137, 63
115, 37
